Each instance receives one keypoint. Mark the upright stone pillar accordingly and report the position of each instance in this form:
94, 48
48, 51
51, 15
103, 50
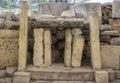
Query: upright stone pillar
95, 41
23, 36
38, 47
68, 49
77, 47
47, 48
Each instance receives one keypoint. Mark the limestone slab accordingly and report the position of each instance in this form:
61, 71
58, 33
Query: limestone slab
68, 48
38, 47
95, 41
110, 56
47, 47
77, 48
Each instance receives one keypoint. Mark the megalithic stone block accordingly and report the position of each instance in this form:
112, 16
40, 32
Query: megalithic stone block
116, 9
95, 41
68, 48
47, 48
38, 47
77, 47
23, 36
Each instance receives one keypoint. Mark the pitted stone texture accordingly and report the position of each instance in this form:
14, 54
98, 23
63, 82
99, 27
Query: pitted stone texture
110, 56
8, 52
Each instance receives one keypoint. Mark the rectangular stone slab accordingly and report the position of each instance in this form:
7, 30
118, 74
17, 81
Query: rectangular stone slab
68, 48
47, 48
110, 56
38, 47
95, 42
59, 23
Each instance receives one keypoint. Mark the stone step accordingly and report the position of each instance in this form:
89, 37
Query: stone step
60, 73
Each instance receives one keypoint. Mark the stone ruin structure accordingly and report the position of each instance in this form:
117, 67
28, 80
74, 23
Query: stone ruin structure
66, 43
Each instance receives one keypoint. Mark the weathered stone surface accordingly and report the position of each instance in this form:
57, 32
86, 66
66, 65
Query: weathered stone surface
116, 81
110, 33
47, 47
8, 52
54, 73
85, 9
115, 41
110, 56
77, 48
76, 31
59, 23
114, 23
105, 27
95, 41
82, 74
111, 74
9, 34
90, 82
21, 77
8, 80
101, 77
68, 48
105, 39
2, 73
116, 9
68, 13
23, 36
117, 74
53, 8
41, 81
68, 82
11, 70
38, 47
2, 80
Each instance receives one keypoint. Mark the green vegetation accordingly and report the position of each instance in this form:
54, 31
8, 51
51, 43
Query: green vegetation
12, 5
